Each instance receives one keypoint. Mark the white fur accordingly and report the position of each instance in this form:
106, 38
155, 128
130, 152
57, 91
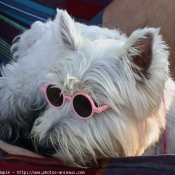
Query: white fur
97, 61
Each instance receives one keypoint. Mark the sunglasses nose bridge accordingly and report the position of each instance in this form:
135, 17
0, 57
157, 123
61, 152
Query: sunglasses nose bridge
68, 98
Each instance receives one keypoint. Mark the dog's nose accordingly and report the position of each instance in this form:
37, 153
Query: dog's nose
46, 149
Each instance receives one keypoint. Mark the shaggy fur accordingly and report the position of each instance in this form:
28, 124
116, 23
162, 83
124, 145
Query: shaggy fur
130, 74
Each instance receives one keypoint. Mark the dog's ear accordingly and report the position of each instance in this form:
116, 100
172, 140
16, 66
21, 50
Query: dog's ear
143, 59
71, 36
139, 49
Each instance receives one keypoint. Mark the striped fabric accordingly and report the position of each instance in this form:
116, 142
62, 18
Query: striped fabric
155, 165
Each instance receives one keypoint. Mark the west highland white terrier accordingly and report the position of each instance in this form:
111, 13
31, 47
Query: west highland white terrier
100, 94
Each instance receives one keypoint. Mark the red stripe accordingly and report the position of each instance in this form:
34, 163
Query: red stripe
83, 9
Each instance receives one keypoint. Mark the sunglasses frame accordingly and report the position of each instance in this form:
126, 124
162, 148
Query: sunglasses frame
71, 98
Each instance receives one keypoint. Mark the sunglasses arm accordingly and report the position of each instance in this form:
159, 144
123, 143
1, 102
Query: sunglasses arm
101, 108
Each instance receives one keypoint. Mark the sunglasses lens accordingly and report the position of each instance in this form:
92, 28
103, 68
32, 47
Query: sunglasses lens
82, 106
54, 96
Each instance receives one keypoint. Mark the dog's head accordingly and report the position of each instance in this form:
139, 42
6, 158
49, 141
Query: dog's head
126, 76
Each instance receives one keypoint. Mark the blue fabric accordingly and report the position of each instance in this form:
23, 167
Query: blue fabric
3, 60
97, 20
27, 12
5, 55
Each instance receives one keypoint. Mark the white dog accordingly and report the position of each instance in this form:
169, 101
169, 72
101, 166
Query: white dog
102, 94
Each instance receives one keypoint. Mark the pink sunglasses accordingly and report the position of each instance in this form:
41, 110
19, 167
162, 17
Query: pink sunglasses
82, 104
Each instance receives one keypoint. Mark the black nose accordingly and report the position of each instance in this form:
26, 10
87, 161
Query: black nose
46, 149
